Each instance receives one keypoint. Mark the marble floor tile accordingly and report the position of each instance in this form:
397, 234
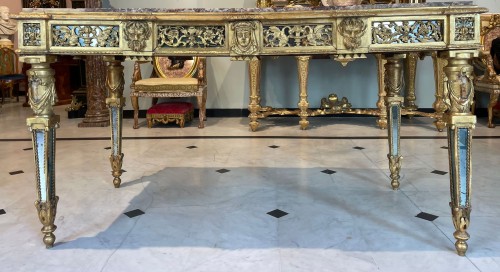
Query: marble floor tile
206, 195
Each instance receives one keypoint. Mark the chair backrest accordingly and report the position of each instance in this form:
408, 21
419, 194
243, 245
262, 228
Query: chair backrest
176, 67
490, 29
8, 61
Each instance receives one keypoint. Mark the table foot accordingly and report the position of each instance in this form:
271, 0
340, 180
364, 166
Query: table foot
395, 168
47, 215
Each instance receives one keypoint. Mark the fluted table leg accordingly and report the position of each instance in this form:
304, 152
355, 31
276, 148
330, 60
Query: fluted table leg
382, 117
460, 92
439, 104
410, 75
254, 107
42, 97
394, 82
114, 84
303, 70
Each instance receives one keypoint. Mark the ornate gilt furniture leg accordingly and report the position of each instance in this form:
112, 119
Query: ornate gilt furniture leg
394, 83
382, 118
459, 92
303, 69
491, 105
254, 106
135, 105
439, 104
43, 124
410, 74
114, 85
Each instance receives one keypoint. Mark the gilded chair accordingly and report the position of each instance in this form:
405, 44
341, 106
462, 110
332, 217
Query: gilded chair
171, 77
489, 82
9, 72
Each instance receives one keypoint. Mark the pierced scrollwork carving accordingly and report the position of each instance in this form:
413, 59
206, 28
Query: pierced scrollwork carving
352, 29
31, 34
298, 35
85, 36
244, 38
136, 33
191, 36
397, 32
464, 29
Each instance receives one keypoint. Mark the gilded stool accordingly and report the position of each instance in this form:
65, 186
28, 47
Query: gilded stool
178, 112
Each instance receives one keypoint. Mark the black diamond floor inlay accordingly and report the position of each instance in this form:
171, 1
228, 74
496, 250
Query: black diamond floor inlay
2, 211
358, 147
444, 147
16, 172
134, 213
427, 216
192, 147
274, 146
29, 148
222, 171
437, 172
328, 172
107, 148
277, 213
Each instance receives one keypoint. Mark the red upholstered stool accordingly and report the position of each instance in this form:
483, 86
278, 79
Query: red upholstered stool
178, 112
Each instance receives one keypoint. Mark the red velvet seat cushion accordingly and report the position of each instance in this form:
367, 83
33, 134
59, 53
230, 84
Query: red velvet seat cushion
171, 108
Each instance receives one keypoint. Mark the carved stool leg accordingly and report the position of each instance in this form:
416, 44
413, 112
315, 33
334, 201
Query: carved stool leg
382, 117
254, 106
303, 65
491, 105
439, 105
114, 84
394, 82
43, 127
460, 91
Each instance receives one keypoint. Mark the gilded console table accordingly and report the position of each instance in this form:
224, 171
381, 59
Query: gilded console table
451, 29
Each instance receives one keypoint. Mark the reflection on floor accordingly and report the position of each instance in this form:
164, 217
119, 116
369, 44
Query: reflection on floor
226, 199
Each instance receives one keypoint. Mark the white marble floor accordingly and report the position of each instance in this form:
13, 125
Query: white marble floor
198, 219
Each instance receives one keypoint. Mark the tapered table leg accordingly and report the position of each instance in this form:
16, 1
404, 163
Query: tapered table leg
303, 70
254, 107
410, 75
114, 84
382, 117
42, 96
394, 82
439, 104
460, 122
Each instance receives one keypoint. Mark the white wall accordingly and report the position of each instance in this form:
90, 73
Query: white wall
228, 80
